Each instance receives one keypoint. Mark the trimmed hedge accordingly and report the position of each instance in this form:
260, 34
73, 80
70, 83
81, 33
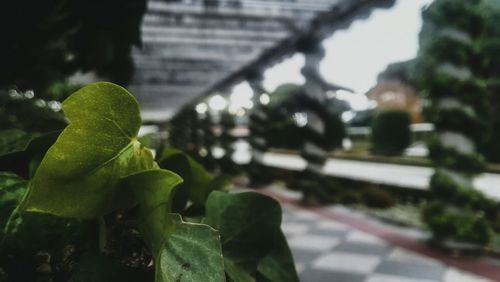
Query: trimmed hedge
453, 67
391, 133
377, 198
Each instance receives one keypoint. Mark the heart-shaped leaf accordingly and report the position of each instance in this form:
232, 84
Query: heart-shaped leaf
249, 224
181, 251
192, 253
78, 176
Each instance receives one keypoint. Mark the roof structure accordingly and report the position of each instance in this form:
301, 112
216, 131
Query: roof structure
193, 48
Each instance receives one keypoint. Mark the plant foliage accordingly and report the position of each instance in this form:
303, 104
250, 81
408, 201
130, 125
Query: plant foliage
455, 67
391, 132
112, 205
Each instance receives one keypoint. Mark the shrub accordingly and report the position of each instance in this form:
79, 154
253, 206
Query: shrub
458, 224
377, 198
460, 107
391, 132
283, 132
348, 198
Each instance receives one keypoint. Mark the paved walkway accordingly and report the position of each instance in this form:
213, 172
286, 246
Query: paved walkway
415, 177
338, 245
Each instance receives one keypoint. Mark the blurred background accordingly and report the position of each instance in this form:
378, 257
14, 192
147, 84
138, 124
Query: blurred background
374, 122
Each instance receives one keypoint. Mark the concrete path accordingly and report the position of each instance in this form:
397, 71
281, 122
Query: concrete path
415, 177
336, 244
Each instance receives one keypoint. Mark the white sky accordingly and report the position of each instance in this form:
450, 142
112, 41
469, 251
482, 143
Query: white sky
354, 57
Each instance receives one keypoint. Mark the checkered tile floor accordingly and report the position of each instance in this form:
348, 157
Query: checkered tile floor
325, 250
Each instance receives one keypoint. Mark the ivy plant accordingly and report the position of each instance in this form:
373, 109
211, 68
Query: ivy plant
125, 214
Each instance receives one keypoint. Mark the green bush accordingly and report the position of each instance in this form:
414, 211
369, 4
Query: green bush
285, 135
283, 132
491, 148
391, 132
463, 104
349, 198
377, 198
457, 224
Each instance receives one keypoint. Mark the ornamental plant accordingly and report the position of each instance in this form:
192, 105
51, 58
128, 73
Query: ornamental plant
452, 71
91, 204
391, 133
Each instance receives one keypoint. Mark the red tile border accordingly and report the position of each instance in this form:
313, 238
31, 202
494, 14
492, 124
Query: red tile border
473, 265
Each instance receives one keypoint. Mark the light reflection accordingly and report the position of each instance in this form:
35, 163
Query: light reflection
218, 152
203, 152
241, 98
217, 103
242, 152
29, 94
300, 119
40, 103
201, 108
264, 99
348, 116
55, 106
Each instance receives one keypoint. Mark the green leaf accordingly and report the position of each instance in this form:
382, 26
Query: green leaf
218, 183
278, 266
150, 140
24, 158
192, 253
249, 224
198, 182
78, 176
182, 251
153, 190
179, 164
13, 140
17, 228
12, 190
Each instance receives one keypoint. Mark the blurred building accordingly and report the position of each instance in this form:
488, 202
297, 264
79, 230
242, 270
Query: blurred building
395, 90
394, 94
